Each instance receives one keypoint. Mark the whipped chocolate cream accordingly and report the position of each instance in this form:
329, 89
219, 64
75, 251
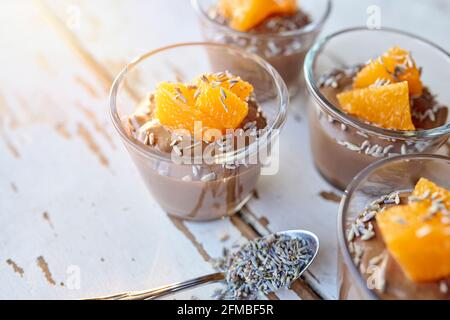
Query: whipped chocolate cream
381, 272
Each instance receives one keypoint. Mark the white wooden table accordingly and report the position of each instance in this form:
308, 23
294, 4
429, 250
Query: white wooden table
75, 218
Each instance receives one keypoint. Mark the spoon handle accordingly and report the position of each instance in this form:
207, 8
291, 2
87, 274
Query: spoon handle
165, 290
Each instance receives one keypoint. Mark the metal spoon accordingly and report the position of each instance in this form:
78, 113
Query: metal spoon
310, 238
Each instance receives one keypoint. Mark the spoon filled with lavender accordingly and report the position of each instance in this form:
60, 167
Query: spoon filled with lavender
262, 266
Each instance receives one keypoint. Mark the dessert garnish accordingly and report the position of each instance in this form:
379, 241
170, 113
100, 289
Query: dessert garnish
205, 110
417, 234
386, 105
217, 101
243, 15
212, 115
263, 266
382, 89
395, 65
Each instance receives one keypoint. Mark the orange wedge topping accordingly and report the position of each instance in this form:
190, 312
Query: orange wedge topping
174, 110
222, 105
416, 234
228, 81
396, 65
216, 104
387, 106
425, 186
243, 15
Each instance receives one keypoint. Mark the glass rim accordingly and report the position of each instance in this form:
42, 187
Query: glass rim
309, 28
343, 207
313, 88
278, 122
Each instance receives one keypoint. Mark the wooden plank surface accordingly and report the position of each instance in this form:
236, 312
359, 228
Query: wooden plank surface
71, 200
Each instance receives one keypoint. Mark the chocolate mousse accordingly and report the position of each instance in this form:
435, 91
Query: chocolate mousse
341, 149
400, 243
193, 184
267, 28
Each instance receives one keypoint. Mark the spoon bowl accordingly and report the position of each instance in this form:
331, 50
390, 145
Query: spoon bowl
311, 239
270, 263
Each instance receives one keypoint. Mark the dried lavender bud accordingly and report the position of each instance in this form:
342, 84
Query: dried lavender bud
264, 265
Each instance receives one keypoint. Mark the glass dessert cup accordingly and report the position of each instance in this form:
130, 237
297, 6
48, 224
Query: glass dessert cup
337, 138
285, 51
396, 174
198, 190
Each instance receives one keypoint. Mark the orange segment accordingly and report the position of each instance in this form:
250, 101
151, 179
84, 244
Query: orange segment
217, 105
246, 14
175, 111
230, 82
222, 105
180, 91
396, 65
386, 106
420, 246
425, 186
